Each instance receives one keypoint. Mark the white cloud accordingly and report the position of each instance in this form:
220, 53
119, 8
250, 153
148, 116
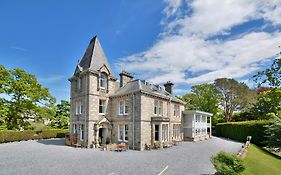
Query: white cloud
51, 79
172, 7
184, 53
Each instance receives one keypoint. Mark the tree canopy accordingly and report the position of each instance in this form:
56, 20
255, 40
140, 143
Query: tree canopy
270, 76
234, 96
26, 97
204, 97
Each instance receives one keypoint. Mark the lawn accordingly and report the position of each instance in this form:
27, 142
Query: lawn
260, 162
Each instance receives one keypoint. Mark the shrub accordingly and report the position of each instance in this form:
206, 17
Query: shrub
11, 136
227, 163
240, 130
273, 133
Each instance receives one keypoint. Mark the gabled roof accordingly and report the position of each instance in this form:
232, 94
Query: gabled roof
144, 86
94, 57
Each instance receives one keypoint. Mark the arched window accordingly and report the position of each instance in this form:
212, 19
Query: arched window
103, 80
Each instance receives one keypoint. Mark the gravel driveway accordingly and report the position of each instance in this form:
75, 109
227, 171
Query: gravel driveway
52, 157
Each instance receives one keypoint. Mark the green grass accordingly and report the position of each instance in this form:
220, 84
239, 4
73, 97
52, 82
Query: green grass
260, 162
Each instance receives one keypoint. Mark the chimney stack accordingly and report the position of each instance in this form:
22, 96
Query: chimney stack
125, 77
169, 87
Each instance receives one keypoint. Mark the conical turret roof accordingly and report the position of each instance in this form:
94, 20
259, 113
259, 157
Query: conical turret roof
94, 57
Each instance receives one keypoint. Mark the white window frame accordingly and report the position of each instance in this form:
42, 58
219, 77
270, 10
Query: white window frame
123, 130
122, 106
82, 133
126, 107
79, 108
158, 107
103, 79
155, 107
176, 131
165, 132
74, 129
197, 118
176, 110
103, 106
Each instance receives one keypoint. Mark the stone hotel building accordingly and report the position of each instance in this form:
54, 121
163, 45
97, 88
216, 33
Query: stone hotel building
107, 110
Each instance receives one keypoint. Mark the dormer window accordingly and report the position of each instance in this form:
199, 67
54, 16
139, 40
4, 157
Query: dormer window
103, 80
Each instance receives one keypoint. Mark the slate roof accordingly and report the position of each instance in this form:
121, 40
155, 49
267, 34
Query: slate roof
144, 86
94, 57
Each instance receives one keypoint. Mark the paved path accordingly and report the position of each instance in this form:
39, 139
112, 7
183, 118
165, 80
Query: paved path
50, 157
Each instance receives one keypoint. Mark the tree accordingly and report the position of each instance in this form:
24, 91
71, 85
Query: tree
273, 131
26, 97
62, 115
235, 96
270, 76
267, 102
203, 97
4, 81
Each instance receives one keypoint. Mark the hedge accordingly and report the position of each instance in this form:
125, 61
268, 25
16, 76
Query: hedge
240, 130
11, 136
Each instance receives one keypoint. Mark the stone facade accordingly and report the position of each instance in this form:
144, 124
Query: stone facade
104, 110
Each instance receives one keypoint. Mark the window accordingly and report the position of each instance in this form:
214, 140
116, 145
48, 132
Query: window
79, 81
165, 130
79, 108
176, 110
155, 107
123, 107
176, 131
123, 132
103, 80
196, 132
203, 119
102, 106
197, 119
158, 107
74, 129
81, 132
120, 135
126, 110
156, 133
126, 132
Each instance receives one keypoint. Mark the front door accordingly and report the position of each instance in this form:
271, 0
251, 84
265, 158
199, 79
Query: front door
101, 135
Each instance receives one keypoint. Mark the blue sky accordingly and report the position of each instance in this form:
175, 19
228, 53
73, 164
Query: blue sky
187, 42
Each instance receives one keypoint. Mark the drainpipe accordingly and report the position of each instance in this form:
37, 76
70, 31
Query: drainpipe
86, 113
170, 106
133, 120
